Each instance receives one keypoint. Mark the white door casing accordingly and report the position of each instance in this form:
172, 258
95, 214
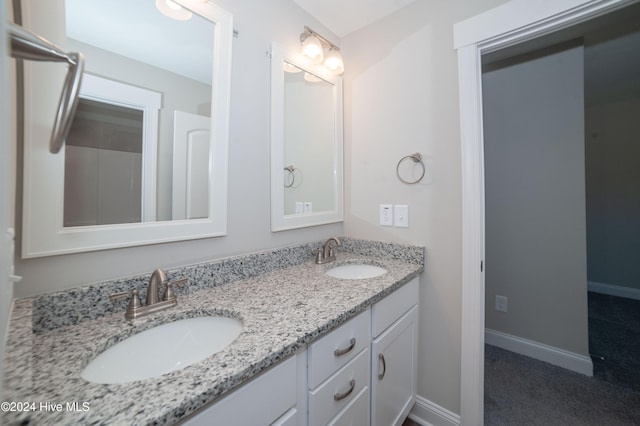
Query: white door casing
504, 26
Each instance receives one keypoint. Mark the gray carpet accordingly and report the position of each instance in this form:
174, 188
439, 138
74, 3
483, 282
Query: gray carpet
614, 339
522, 391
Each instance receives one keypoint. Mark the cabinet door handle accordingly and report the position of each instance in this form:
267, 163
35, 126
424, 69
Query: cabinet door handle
340, 352
384, 367
341, 396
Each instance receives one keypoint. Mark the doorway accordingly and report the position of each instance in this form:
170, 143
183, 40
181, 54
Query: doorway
496, 29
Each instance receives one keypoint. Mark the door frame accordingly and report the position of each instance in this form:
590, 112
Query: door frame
509, 24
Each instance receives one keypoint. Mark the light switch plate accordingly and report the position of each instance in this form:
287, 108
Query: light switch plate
401, 216
386, 214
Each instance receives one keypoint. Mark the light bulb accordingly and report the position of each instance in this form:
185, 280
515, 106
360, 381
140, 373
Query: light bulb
290, 68
312, 49
311, 78
173, 10
173, 5
333, 61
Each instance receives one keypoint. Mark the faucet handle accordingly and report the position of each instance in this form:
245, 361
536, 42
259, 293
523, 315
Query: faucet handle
169, 295
134, 302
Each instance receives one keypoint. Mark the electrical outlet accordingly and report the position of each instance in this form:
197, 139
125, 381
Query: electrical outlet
501, 303
386, 214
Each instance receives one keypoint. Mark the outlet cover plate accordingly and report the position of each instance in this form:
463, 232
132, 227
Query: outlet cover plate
386, 215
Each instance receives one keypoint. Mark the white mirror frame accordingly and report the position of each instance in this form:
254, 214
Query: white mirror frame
43, 233
280, 221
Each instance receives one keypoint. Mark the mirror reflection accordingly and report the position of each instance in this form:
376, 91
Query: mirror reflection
139, 147
309, 147
306, 143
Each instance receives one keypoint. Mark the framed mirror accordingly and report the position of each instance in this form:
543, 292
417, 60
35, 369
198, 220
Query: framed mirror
306, 143
146, 159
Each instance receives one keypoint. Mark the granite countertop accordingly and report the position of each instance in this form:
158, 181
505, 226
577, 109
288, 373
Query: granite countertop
281, 311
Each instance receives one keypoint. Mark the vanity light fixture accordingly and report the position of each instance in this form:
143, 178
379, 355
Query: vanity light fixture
313, 45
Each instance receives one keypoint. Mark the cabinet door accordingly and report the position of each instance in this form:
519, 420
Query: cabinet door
393, 376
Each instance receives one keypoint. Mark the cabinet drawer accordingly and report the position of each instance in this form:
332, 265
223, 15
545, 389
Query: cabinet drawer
338, 347
392, 307
254, 400
339, 390
356, 413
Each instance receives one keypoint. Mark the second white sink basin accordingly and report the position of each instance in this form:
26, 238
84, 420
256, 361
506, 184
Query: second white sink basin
162, 349
359, 271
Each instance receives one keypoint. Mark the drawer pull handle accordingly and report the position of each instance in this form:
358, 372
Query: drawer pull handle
384, 367
341, 396
340, 352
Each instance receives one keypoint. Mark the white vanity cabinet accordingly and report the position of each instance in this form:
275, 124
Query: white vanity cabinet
269, 399
394, 356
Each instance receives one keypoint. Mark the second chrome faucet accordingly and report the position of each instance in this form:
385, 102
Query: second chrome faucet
153, 303
326, 253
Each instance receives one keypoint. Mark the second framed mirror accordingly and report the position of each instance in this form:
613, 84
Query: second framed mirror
306, 143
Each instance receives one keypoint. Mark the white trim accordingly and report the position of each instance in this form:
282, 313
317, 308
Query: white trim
511, 23
428, 413
570, 360
472, 344
520, 20
614, 290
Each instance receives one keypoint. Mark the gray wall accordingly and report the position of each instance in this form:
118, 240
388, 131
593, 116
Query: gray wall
613, 192
401, 97
535, 199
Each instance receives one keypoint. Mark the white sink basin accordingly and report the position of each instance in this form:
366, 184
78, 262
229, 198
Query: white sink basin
356, 271
162, 349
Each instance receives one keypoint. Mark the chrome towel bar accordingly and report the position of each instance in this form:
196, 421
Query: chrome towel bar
29, 46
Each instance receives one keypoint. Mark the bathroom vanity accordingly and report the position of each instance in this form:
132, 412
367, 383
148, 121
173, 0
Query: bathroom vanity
363, 372
314, 349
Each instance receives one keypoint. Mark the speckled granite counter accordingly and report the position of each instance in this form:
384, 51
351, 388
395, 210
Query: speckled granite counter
282, 308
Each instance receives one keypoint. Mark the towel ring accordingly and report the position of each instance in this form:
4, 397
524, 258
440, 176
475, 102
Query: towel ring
417, 158
289, 177
290, 180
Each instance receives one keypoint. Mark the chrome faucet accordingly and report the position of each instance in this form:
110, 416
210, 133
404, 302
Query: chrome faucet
154, 304
326, 253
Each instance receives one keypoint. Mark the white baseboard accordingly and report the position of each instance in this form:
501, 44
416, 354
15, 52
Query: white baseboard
556, 356
428, 413
614, 290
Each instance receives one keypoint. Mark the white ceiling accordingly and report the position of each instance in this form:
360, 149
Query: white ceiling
343, 17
